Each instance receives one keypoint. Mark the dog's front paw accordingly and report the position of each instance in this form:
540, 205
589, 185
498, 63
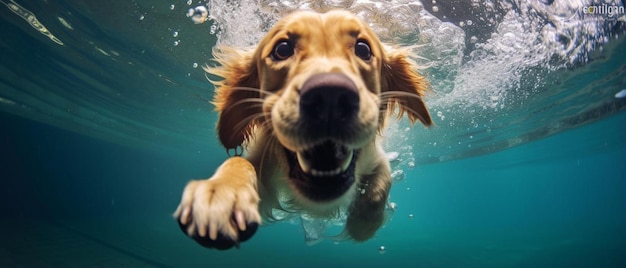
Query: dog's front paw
219, 212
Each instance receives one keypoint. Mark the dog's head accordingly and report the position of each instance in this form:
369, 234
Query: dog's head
322, 85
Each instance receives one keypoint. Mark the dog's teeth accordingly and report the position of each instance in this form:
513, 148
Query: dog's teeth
304, 164
346, 162
328, 173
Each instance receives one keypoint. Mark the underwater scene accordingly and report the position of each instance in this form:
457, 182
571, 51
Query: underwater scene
106, 115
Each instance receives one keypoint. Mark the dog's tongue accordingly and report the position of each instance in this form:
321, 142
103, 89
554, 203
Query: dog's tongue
327, 157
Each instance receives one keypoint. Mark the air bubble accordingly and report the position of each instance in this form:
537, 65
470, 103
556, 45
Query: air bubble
198, 15
397, 175
393, 206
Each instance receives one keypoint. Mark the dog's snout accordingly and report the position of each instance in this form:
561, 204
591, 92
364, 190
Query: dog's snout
329, 97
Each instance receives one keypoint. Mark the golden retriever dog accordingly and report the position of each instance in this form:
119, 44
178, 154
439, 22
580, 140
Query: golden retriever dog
307, 107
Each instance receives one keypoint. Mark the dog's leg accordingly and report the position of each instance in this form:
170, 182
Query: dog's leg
221, 211
367, 212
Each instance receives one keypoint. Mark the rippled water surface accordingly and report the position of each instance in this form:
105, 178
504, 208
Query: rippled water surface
105, 115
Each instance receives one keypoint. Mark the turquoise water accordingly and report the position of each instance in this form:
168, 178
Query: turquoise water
100, 132
70, 200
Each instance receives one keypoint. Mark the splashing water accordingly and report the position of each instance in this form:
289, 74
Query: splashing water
530, 35
474, 81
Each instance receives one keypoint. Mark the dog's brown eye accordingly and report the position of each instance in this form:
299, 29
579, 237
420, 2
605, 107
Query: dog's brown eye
363, 50
282, 50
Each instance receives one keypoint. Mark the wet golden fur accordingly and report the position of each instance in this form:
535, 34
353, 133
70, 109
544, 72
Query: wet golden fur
257, 101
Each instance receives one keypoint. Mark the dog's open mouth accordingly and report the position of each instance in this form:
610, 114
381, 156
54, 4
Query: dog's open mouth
325, 160
323, 172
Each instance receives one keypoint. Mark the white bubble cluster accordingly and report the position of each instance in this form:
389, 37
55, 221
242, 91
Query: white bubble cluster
393, 156
397, 175
199, 14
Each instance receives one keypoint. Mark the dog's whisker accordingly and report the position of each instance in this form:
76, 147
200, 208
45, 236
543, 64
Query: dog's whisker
406, 108
264, 125
267, 126
249, 119
394, 94
253, 89
252, 103
248, 100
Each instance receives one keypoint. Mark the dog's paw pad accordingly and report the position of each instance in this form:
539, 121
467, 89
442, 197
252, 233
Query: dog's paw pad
218, 214
223, 241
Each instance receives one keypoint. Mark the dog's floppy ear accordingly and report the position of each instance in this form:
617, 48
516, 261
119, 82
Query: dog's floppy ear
404, 88
234, 95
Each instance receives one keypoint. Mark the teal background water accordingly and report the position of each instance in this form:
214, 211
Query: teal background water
97, 145
69, 200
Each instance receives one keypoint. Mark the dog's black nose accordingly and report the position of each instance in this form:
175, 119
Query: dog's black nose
328, 98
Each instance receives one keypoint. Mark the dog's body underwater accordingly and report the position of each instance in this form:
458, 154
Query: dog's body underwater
308, 105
